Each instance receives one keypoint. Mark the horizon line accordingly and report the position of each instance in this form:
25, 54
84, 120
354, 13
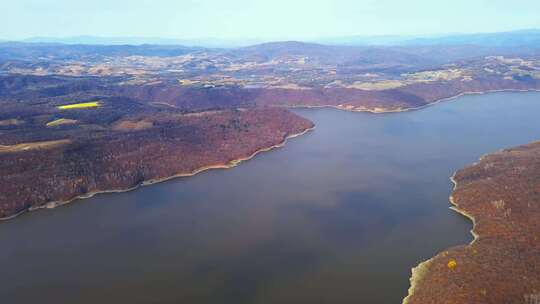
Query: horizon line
274, 39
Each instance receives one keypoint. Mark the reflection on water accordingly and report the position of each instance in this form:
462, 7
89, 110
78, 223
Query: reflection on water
339, 215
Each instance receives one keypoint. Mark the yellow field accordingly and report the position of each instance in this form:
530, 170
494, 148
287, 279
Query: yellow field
83, 105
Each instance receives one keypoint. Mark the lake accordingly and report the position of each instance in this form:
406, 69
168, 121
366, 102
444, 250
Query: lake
339, 215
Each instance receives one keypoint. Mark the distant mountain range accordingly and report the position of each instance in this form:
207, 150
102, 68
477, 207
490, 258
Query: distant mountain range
95, 40
420, 52
507, 39
529, 38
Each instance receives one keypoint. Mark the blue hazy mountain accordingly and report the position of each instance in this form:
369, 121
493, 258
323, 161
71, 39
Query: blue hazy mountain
522, 38
96, 40
529, 38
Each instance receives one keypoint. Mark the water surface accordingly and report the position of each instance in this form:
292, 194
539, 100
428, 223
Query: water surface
339, 215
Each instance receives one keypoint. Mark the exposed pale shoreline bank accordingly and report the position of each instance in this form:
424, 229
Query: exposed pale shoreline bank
230, 164
401, 110
418, 272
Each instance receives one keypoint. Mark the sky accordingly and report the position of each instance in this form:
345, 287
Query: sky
261, 19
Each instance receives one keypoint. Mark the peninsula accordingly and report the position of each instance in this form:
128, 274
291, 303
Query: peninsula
500, 194
46, 164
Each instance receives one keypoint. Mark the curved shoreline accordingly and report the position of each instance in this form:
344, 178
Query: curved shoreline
401, 110
480, 186
417, 273
231, 164
420, 269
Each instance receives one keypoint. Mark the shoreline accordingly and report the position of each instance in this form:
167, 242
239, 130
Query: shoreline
231, 164
402, 110
418, 272
455, 208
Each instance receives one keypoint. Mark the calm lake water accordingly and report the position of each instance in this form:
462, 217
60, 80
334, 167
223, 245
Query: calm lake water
339, 215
